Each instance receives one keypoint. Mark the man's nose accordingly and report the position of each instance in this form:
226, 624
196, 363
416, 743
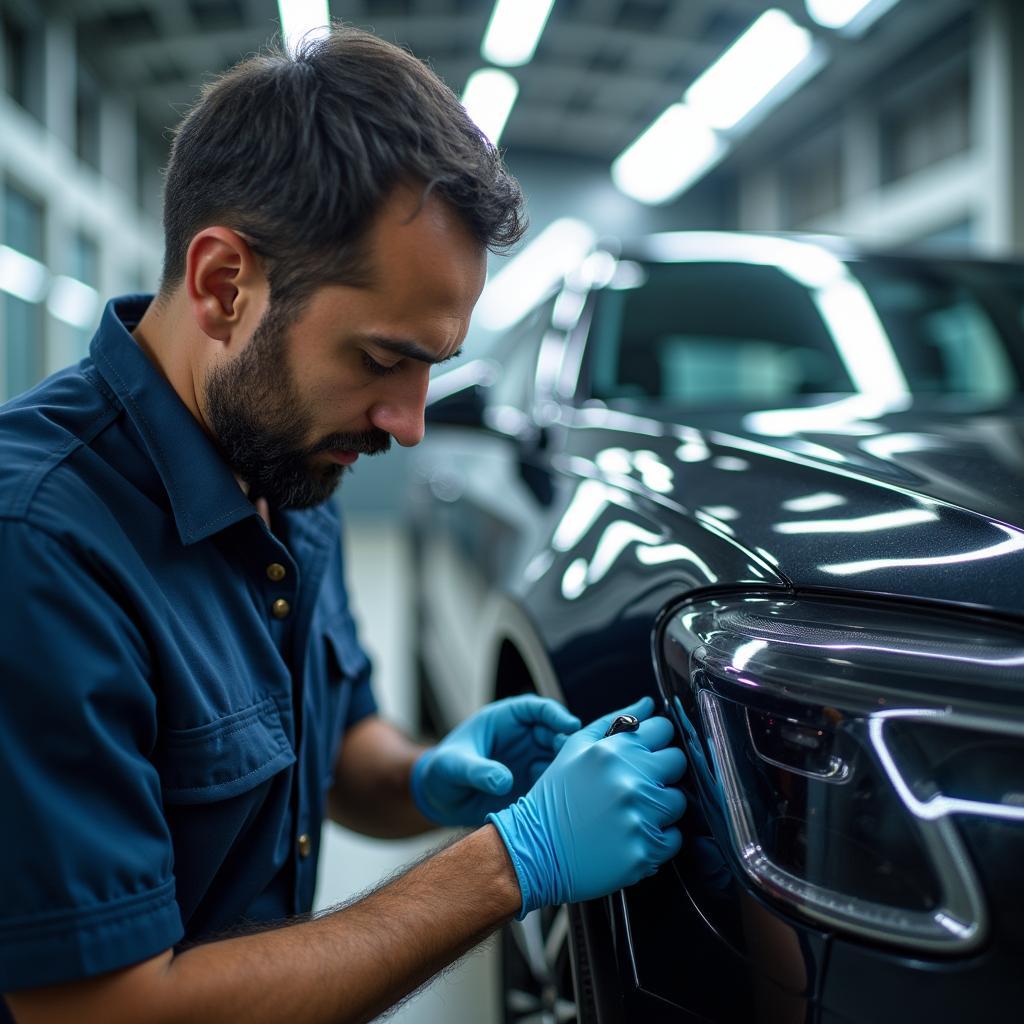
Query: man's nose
400, 412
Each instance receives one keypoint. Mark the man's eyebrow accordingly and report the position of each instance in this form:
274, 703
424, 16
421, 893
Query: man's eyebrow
409, 349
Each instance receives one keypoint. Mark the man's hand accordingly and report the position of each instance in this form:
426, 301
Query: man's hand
490, 760
601, 817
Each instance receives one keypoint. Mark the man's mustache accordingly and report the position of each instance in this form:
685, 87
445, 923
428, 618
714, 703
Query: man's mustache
365, 442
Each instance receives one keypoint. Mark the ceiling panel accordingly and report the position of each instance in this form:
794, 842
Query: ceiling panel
603, 70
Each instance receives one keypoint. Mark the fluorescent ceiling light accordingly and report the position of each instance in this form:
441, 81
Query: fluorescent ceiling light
751, 70
301, 19
849, 17
73, 301
835, 13
22, 276
514, 30
676, 150
533, 272
488, 98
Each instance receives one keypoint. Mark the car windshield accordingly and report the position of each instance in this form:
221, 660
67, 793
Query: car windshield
740, 334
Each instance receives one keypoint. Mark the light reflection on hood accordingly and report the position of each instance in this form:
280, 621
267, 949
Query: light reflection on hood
1013, 544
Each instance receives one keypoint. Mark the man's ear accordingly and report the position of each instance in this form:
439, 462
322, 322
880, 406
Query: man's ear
226, 286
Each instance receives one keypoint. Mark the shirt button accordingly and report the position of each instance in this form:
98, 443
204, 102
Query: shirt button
280, 608
276, 572
305, 845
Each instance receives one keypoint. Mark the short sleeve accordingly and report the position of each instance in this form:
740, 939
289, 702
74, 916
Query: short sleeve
364, 703
86, 863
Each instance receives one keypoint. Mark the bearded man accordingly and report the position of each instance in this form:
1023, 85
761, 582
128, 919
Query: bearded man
184, 697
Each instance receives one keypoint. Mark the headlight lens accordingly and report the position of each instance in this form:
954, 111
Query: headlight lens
841, 742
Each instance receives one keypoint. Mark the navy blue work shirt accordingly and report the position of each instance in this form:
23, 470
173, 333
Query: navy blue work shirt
175, 678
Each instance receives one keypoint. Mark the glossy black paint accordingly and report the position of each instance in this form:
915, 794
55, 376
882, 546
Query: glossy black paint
568, 530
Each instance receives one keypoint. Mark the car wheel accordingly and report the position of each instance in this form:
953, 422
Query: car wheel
545, 981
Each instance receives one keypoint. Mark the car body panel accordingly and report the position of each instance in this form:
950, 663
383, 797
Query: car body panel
567, 530
893, 487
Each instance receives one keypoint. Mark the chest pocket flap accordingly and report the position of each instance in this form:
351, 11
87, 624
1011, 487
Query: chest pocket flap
224, 758
350, 660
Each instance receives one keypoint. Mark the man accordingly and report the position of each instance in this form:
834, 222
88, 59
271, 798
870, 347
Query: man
183, 691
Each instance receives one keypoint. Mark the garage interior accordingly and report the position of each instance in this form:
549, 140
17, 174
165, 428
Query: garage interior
906, 134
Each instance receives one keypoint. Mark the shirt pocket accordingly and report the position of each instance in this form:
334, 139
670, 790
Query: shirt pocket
223, 758
347, 668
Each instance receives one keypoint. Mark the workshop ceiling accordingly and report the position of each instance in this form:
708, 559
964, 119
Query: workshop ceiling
603, 71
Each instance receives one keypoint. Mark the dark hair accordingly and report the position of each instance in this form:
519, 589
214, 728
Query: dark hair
298, 154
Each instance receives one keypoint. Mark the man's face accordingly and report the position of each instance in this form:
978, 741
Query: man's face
305, 398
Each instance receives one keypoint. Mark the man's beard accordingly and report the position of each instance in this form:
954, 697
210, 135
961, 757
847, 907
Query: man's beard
261, 424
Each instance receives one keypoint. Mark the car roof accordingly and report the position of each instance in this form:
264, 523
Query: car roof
727, 246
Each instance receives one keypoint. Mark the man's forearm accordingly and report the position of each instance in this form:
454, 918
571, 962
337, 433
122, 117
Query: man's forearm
371, 792
346, 966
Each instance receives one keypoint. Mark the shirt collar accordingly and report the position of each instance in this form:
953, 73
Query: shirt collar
205, 496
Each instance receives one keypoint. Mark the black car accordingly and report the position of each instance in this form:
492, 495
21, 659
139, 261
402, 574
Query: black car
779, 485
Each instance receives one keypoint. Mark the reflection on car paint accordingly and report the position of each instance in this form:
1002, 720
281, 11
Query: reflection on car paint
596, 418
592, 497
888, 445
714, 522
694, 448
614, 460
730, 463
617, 536
1014, 544
723, 513
847, 415
663, 553
654, 473
860, 524
614, 541
814, 450
818, 502
538, 565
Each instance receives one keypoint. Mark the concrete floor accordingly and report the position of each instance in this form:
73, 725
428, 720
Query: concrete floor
377, 565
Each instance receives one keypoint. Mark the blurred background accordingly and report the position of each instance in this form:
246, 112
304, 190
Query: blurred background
894, 122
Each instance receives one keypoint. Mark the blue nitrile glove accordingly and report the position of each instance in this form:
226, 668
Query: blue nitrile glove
490, 759
600, 817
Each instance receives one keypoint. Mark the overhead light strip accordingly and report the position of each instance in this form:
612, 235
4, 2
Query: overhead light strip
489, 97
751, 70
765, 65
676, 150
514, 30
848, 17
301, 19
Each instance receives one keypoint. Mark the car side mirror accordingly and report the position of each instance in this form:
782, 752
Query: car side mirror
458, 398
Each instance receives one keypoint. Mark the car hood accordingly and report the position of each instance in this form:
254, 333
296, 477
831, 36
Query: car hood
971, 459
917, 499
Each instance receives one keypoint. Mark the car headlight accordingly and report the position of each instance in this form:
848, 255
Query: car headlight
842, 742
